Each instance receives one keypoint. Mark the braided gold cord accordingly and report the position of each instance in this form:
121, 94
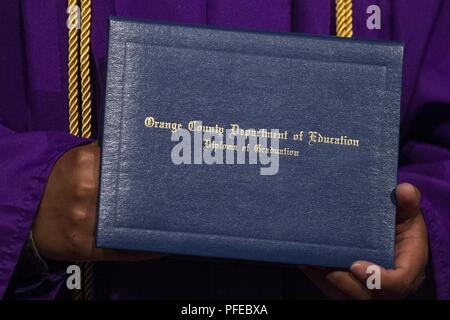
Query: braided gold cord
73, 68
86, 111
78, 60
86, 104
344, 18
73, 71
88, 280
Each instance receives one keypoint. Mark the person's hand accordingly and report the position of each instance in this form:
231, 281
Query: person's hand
63, 228
411, 258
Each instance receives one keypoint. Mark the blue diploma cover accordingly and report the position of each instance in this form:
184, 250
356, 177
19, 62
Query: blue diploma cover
311, 123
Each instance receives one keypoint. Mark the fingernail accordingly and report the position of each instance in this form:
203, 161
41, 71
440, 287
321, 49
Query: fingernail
358, 270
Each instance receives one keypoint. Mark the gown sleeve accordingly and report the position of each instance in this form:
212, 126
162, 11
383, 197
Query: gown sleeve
27, 155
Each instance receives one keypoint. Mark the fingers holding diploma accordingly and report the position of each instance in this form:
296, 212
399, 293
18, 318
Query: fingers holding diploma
365, 280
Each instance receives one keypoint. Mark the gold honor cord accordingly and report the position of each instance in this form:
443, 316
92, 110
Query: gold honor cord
86, 105
86, 111
344, 18
78, 60
73, 68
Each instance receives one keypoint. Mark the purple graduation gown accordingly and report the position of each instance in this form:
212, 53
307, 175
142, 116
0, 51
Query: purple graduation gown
34, 134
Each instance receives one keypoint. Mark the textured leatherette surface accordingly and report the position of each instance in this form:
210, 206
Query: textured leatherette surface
329, 206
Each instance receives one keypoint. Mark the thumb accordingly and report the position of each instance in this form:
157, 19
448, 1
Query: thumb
361, 270
408, 201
